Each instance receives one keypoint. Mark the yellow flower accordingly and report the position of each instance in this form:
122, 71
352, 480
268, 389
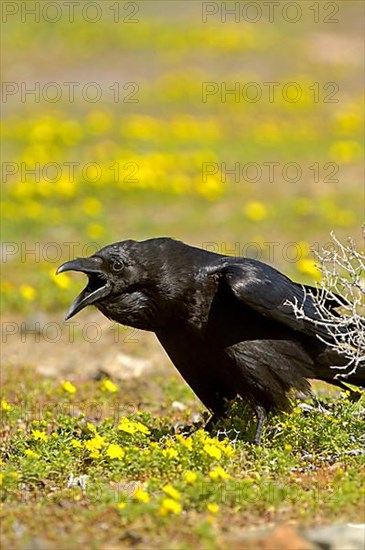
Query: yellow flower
142, 127
141, 495
27, 292
346, 152
218, 473
308, 266
108, 385
255, 211
99, 122
75, 443
122, 505
31, 454
132, 426
115, 451
348, 122
201, 435
267, 133
39, 435
170, 453
288, 447
91, 206
304, 206
95, 230
94, 444
213, 508
95, 454
5, 406
170, 506
65, 188
68, 386
210, 189
345, 217
213, 451
186, 441
190, 477
44, 129
171, 492
70, 132
1, 478
229, 450
62, 280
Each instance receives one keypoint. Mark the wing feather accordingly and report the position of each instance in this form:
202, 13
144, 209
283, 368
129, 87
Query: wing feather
272, 294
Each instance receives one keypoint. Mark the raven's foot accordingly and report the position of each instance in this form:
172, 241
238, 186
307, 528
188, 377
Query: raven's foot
262, 415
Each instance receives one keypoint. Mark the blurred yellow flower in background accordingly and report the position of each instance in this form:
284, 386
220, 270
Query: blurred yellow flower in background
303, 206
212, 188
99, 122
255, 211
190, 477
95, 230
62, 280
141, 495
267, 133
43, 130
349, 122
212, 508
27, 292
170, 491
70, 131
68, 387
142, 127
219, 474
345, 151
5, 406
108, 386
170, 506
307, 266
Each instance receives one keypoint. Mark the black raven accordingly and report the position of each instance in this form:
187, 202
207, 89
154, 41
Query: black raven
225, 322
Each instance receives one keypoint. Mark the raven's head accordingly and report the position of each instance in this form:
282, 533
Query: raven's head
126, 282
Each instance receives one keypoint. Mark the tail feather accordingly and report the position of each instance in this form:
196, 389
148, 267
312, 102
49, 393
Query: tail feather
337, 369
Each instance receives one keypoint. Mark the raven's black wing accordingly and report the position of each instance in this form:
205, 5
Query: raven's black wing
271, 293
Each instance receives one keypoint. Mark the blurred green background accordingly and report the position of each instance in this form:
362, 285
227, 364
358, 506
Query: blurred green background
122, 129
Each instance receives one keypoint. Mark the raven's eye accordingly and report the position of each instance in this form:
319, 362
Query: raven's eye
117, 265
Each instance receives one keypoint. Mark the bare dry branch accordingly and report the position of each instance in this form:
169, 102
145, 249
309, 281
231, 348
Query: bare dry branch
340, 303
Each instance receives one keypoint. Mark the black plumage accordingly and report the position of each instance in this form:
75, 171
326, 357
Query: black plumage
225, 322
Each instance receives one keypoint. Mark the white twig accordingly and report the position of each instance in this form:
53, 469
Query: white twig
339, 303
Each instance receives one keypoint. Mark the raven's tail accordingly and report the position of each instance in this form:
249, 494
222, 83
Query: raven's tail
339, 370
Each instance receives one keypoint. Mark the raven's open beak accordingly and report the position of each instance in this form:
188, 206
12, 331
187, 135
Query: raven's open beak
97, 287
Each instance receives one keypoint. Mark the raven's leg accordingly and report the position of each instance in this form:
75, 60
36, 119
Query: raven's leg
262, 415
